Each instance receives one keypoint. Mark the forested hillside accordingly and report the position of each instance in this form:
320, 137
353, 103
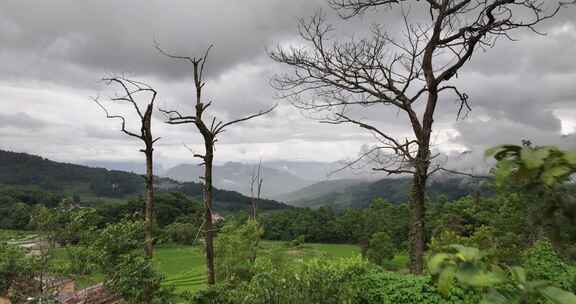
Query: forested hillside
26, 169
28, 175
341, 194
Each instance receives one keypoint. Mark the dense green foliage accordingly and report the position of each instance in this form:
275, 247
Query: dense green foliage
542, 262
541, 175
119, 256
532, 166
14, 266
325, 225
181, 233
380, 248
170, 207
339, 281
236, 247
500, 223
20, 275
468, 266
16, 204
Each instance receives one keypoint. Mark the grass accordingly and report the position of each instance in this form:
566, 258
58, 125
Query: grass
184, 266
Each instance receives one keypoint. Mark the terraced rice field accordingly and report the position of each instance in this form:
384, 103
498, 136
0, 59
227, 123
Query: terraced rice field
184, 266
185, 269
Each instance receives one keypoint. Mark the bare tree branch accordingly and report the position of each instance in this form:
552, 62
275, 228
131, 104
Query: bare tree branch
411, 74
209, 129
131, 91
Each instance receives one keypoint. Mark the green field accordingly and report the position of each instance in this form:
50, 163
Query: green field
184, 266
15, 235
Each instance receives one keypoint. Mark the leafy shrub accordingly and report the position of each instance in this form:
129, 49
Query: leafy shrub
221, 293
117, 239
181, 233
297, 242
443, 241
81, 260
346, 281
14, 265
543, 263
468, 267
315, 281
503, 248
390, 287
131, 274
119, 255
380, 248
235, 249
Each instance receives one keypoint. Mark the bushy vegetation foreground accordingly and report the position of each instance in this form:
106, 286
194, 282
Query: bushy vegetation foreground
517, 246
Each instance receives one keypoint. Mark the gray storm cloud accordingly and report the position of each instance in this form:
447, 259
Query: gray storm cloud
20, 121
53, 54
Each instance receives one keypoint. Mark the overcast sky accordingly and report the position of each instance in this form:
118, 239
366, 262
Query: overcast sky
53, 53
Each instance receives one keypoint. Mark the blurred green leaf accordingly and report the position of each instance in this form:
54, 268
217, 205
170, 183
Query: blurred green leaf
494, 297
480, 278
534, 158
570, 157
519, 274
446, 280
559, 296
435, 263
550, 176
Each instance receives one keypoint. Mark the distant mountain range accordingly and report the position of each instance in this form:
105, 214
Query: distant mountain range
280, 177
127, 166
236, 177
353, 193
319, 190
23, 169
300, 184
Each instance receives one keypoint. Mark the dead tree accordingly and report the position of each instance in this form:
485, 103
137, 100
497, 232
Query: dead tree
256, 181
409, 74
209, 129
131, 91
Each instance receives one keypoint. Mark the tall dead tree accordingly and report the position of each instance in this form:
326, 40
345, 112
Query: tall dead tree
410, 74
256, 181
209, 129
131, 91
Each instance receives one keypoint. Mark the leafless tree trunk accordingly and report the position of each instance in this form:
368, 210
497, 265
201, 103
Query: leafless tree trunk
209, 133
411, 74
130, 91
256, 181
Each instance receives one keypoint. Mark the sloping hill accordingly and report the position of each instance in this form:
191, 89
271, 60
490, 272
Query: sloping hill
394, 190
236, 176
21, 169
319, 190
25, 169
